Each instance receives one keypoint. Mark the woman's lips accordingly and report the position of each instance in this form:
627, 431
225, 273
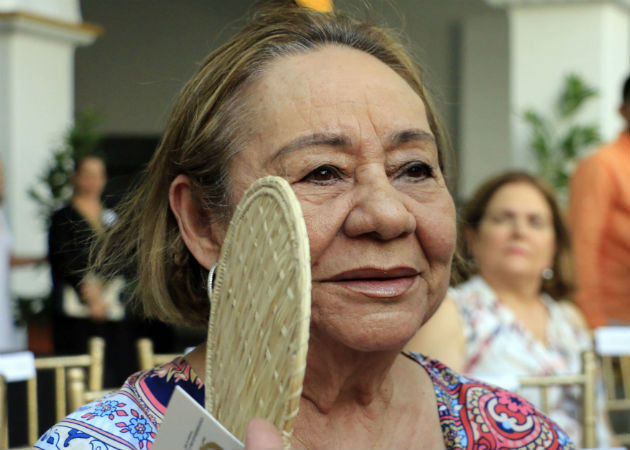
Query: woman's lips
517, 251
377, 283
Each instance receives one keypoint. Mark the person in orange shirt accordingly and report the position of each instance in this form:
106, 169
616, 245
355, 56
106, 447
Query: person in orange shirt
599, 215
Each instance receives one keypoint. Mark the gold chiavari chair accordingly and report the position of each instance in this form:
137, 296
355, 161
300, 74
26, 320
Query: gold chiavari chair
612, 345
147, 359
586, 380
4, 423
78, 393
93, 361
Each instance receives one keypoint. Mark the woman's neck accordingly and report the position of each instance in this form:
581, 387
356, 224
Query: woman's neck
333, 379
365, 401
89, 207
525, 302
525, 289
340, 376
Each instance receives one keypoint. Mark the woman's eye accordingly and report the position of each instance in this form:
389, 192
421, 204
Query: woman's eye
537, 222
499, 219
417, 170
323, 174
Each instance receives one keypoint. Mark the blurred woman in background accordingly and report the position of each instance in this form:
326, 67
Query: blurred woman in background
83, 305
513, 316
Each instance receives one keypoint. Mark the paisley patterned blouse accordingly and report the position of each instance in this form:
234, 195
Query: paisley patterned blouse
473, 415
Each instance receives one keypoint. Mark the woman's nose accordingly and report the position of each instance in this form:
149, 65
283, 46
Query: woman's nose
518, 227
378, 209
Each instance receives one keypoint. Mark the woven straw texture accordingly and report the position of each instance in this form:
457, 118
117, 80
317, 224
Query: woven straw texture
260, 312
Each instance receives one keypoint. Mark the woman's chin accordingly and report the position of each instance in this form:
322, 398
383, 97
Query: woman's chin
379, 336
383, 345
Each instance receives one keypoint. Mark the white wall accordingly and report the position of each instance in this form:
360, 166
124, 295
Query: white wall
37, 109
548, 42
485, 121
615, 39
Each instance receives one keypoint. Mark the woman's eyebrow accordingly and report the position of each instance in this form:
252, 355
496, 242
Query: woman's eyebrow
310, 140
410, 135
339, 140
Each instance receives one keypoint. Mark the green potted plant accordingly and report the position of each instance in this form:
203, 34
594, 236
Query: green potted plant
558, 141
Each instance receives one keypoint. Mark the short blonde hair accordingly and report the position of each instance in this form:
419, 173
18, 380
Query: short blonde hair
206, 129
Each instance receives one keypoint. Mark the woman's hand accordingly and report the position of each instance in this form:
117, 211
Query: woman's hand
92, 292
262, 435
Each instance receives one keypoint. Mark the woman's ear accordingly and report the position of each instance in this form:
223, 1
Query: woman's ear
201, 238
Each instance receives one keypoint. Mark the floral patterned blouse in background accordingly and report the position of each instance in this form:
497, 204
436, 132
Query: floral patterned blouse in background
499, 349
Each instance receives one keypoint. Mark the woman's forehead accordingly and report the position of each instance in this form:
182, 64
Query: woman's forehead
335, 89
91, 166
519, 195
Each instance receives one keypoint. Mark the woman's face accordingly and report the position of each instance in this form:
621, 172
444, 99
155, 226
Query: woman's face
516, 236
90, 177
353, 140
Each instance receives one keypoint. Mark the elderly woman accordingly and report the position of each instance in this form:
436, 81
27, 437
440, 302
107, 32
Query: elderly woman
513, 316
337, 108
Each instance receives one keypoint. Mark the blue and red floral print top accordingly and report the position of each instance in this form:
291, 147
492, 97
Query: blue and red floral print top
473, 415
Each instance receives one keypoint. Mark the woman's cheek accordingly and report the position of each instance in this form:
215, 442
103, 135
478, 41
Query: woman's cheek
437, 230
324, 217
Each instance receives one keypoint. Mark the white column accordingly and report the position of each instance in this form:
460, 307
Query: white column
37, 42
550, 39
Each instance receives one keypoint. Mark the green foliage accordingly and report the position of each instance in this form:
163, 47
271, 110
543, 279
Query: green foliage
574, 94
53, 187
557, 142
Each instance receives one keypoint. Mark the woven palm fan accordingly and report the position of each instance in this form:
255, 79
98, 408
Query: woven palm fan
260, 312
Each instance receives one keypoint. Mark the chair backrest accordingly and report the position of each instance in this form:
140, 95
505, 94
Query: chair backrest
147, 359
4, 424
612, 345
93, 361
78, 393
586, 380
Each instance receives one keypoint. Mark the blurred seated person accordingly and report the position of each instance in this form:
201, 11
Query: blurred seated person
337, 108
83, 305
513, 315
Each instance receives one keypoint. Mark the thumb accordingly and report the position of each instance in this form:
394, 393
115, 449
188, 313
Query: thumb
262, 435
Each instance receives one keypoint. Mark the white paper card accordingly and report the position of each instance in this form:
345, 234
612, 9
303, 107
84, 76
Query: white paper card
17, 366
613, 340
188, 426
